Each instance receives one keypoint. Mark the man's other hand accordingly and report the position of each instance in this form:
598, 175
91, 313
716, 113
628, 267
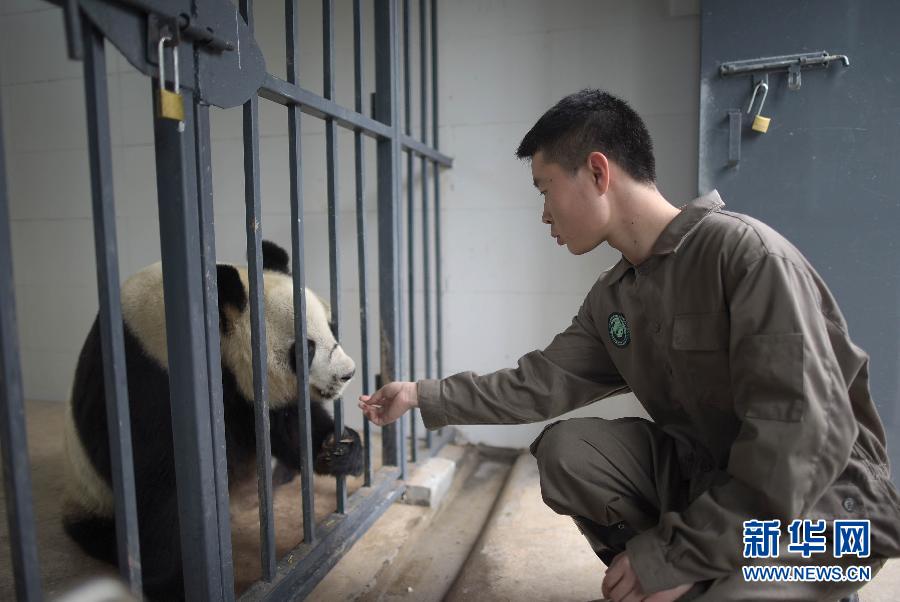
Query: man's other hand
389, 403
621, 584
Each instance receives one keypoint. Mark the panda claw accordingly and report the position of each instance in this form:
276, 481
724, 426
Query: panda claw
344, 457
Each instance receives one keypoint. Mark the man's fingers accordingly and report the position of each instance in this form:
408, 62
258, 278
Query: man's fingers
369, 399
635, 595
613, 574
622, 589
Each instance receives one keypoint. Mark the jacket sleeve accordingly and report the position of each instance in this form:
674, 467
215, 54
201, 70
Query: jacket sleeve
574, 370
797, 430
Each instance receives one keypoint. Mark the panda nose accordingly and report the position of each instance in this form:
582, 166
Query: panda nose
349, 375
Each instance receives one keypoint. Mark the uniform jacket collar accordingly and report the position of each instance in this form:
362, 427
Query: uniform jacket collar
675, 233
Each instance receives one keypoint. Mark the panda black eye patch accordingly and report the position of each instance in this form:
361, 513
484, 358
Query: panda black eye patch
310, 351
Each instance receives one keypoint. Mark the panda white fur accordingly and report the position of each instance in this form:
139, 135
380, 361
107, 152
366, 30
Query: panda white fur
88, 508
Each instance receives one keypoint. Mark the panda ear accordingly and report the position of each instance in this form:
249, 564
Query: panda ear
231, 292
274, 257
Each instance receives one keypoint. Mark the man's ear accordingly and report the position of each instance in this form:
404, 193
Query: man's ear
598, 165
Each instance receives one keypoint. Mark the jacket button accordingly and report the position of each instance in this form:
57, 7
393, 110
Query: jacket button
849, 504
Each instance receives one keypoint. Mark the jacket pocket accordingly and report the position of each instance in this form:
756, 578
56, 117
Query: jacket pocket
700, 355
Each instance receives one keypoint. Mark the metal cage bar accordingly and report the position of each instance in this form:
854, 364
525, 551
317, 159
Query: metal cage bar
115, 381
359, 158
334, 258
388, 157
213, 348
257, 327
439, 349
13, 437
188, 377
426, 239
299, 278
410, 222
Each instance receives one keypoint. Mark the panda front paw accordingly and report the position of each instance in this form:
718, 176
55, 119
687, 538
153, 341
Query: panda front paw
339, 458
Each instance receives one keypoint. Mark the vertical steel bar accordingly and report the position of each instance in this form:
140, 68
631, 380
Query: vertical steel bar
13, 438
213, 350
257, 328
299, 278
388, 149
361, 230
115, 380
426, 239
334, 259
410, 231
437, 192
179, 230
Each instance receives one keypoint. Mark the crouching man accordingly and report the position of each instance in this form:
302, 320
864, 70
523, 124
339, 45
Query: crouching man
764, 439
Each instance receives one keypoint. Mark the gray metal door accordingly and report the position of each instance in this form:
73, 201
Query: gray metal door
827, 172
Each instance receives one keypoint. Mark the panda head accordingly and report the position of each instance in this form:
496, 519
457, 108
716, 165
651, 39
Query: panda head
330, 368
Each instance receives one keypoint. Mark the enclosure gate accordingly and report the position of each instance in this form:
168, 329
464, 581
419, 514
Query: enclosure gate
219, 63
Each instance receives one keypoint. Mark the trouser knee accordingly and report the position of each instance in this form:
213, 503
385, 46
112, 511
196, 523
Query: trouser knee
559, 451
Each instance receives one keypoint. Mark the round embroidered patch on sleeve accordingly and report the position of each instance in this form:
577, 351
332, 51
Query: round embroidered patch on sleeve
618, 330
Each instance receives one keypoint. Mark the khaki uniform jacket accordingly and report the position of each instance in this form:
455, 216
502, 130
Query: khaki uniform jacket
736, 348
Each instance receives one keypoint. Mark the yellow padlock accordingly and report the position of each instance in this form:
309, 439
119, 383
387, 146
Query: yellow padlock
171, 102
760, 124
171, 105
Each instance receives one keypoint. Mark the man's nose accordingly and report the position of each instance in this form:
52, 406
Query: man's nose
545, 217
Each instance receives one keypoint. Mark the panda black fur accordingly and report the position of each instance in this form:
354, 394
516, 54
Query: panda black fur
88, 510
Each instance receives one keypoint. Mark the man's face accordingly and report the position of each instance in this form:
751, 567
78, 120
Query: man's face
573, 206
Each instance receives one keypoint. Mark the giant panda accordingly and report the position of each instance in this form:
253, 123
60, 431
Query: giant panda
88, 506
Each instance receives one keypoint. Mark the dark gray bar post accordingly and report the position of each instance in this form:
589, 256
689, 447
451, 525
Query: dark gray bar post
213, 349
361, 230
426, 247
299, 278
13, 438
410, 212
388, 150
334, 258
257, 320
111, 336
179, 230
437, 193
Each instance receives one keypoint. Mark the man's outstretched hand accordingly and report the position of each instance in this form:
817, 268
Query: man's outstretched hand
389, 403
621, 584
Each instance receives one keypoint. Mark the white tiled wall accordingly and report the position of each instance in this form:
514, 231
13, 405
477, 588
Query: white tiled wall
508, 287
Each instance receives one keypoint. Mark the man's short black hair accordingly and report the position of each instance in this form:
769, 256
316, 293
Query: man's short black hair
587, 121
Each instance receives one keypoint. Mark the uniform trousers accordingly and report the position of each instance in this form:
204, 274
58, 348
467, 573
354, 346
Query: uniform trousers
617, 477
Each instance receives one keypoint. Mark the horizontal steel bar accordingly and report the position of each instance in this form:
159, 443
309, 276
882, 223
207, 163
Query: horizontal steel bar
782, 62
306, 565
282, 92
423, 150
285, 93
